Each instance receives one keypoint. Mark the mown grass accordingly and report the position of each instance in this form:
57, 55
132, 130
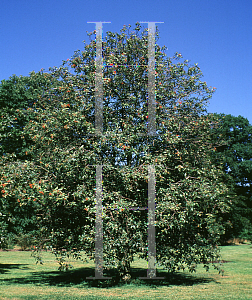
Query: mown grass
21, 278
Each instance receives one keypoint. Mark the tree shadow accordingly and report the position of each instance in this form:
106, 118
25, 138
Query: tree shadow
77, 278
4, 268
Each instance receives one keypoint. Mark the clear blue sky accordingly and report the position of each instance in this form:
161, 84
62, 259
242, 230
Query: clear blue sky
215, 34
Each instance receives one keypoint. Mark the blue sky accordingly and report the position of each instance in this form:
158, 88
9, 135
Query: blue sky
215, 34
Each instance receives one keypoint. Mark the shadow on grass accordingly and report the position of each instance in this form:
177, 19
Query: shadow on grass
77, 278
4, 268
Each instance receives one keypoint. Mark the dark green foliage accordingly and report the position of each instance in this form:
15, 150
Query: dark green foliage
17, 95
236, 158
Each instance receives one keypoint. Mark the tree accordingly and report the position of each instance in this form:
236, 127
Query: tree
236, 157
61, 173
17, 96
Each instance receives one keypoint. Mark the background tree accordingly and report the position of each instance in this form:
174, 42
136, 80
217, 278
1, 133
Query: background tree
17, 96
236, 157
189, 193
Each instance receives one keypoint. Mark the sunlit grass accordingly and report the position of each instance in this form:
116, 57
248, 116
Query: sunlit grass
21, 278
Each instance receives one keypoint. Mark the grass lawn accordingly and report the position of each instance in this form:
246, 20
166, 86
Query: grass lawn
21, 278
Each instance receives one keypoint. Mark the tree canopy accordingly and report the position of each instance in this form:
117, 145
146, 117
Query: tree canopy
58, 180
235, 154
16, 95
